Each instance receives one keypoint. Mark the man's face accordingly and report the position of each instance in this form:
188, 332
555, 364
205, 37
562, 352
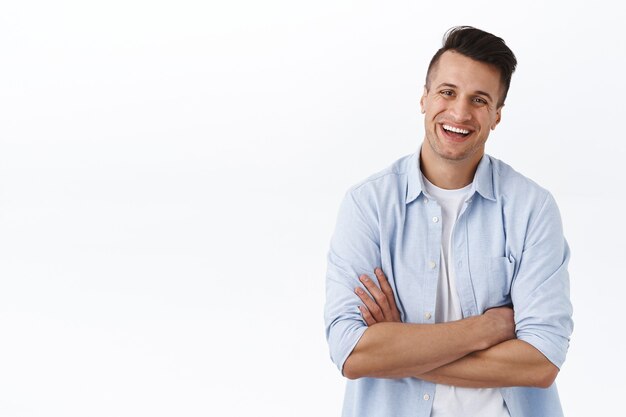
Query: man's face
460, 106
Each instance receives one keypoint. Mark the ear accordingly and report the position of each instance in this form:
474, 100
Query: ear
423, 99
498, 118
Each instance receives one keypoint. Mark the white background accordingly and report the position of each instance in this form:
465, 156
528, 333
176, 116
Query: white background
170, 173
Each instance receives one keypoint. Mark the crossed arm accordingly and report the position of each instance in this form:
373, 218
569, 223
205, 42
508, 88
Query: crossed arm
477, 352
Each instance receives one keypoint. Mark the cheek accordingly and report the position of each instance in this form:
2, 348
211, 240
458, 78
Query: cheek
488, 120
433, 108
494, 122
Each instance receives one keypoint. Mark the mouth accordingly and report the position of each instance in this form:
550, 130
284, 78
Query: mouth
456, 134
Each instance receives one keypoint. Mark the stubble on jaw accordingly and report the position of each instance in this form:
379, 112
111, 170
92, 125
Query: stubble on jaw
451, 157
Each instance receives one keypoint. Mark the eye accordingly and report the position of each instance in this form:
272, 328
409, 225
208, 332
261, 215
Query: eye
448, 93
479, 100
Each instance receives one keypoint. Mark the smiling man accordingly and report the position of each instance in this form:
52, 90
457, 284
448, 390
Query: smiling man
447, 284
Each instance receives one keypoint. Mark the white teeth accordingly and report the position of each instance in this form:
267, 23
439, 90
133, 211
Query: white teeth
455, 130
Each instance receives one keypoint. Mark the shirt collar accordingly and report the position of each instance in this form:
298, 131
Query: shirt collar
414, 179
482, 184
483, 179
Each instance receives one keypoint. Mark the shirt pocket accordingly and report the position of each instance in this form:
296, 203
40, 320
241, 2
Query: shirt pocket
500, 272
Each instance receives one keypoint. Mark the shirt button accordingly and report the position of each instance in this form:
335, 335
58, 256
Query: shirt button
426, 397
432, 264
435, 219
427, 316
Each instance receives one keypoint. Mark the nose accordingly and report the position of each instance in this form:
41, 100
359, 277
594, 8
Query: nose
460, 110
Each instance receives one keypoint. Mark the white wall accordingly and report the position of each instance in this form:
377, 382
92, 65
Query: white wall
170, 174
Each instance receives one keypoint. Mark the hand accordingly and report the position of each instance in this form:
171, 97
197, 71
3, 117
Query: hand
380, 303
502, 321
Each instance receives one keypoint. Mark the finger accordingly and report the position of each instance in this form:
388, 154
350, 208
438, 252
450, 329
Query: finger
386, 289
365, 313
378, 295
371, 305
362, 294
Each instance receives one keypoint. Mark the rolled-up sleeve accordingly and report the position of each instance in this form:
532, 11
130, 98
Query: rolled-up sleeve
540, 288
354, 250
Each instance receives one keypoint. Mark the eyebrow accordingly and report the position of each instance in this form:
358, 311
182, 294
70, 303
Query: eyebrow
479, 92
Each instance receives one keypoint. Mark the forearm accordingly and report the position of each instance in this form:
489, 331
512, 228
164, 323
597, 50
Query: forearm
511, 363
399, 350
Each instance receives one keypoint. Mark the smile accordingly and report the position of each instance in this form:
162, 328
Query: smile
455, 130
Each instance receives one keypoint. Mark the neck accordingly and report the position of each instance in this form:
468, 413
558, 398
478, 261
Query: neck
445, 173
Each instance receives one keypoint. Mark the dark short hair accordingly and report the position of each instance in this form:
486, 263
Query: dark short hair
480, 46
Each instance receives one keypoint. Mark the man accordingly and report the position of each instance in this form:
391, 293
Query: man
447, 284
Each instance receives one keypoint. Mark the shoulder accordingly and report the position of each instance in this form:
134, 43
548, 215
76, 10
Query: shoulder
522, 200
509, 184
388, 183
376, 197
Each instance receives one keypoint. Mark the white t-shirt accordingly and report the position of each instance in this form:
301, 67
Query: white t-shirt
456, 401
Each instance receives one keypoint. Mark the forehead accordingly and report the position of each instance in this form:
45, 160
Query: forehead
466, 73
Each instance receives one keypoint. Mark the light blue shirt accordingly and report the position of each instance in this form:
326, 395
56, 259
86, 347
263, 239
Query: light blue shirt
508, 248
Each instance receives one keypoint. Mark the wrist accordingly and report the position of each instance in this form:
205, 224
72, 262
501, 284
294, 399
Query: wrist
484, 332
